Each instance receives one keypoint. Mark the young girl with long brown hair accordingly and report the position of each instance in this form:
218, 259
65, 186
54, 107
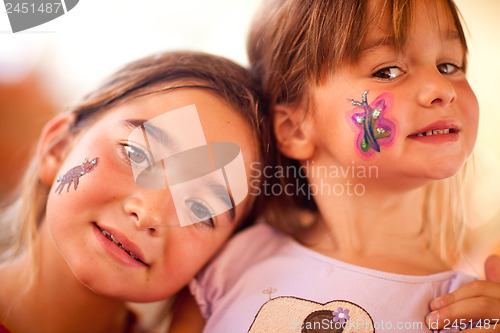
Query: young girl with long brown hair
115, 206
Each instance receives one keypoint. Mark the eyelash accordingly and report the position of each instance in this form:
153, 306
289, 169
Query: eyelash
455, 69
128, 149
383, 70
209, 222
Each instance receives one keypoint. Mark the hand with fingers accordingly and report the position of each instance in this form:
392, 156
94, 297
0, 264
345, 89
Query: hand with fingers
476, 303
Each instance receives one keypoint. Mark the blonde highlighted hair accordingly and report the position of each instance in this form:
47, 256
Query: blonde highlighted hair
293, 44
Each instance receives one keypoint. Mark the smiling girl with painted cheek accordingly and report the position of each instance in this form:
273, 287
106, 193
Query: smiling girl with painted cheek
94, 237
421, 87
377, 87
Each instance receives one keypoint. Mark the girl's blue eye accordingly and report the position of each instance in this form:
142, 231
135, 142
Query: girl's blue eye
388, 73
136, 155
448, 68
201, 211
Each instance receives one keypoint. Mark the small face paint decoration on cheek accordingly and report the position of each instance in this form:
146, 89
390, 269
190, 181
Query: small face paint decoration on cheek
74, 174
371, 123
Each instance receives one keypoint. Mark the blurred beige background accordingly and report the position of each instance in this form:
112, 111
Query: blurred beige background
483, 188
46, 68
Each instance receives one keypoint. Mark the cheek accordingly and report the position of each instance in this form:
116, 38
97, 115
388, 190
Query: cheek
332, 134
470, 113
69, 208
186, 253
373, 124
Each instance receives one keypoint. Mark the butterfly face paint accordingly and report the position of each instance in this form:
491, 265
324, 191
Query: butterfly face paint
370, 121
74, 174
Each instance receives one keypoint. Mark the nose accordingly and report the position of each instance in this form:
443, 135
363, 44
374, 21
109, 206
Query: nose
149, 210
435, 89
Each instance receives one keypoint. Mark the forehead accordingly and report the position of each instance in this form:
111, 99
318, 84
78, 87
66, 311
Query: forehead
393, 23
220, 121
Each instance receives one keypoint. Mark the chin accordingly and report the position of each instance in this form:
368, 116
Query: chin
421, 175
119, 292
444, 171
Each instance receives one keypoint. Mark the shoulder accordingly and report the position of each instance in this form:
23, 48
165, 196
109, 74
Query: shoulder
245, 250
257, 237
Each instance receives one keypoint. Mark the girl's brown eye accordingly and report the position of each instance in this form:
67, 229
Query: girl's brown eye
448, 68
388, 73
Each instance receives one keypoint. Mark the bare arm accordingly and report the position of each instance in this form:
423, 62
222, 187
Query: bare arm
187, 317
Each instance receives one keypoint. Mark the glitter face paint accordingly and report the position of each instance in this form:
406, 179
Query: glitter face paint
370, 121
74, 174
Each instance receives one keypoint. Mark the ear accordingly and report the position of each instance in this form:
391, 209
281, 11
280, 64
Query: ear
52, 146
292, 130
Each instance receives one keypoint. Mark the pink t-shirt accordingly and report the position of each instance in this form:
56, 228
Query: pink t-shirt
265, 281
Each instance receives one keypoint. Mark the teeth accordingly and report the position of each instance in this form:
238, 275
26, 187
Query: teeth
112, 238
434, 132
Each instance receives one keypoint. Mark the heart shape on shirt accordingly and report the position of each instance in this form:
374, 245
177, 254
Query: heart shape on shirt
297, 315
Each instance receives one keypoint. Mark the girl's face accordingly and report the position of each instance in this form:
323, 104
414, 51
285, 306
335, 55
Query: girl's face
424, 91
108, 206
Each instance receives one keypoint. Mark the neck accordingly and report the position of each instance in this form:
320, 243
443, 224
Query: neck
44, 293
378, 228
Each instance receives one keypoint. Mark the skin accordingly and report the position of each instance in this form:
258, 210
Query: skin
72, 260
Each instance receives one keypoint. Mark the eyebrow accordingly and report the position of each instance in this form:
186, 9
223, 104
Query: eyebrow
157, 133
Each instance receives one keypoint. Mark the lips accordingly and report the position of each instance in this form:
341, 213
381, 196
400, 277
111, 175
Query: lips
443, 127
125, 245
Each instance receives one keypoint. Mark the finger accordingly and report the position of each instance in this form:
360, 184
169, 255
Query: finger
470, 290
492, 268
475, 308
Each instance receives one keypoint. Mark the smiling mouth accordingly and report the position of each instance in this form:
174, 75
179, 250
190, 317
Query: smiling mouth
113, 239
435, 132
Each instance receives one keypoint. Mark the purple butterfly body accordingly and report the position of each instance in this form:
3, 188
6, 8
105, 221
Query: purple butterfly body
375, 130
